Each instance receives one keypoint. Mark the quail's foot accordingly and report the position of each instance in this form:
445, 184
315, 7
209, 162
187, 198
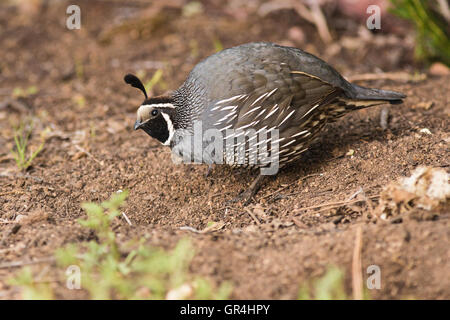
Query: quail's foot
208, 172
246, 196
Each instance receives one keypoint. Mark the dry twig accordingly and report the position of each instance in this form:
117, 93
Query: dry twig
290, 184
252, 215
88, 154
333, 204
311, 13
357, 281
126, 218
15, 264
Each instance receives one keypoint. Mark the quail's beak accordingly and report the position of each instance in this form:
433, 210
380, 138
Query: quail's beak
137, 125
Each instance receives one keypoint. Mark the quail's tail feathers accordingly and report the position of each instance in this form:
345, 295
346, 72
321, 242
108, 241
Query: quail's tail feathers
361, 93
360, 98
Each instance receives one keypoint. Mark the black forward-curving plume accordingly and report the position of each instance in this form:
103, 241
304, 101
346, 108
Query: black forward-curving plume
134, 81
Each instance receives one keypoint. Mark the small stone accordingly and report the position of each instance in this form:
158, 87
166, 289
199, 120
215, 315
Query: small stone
439, 69
296, 34
425, 131
20, 217
180, 293
423, 105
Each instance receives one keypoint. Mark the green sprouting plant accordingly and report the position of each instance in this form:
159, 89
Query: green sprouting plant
79, 68
80, 100
23, 93
192, 8
154, 80
194, 50
110, 272
20, 153
218, 46
432, 32
32, 290
328, 287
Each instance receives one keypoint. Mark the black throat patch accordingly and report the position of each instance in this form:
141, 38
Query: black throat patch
157, 128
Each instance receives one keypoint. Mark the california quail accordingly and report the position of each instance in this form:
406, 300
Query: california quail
286, 92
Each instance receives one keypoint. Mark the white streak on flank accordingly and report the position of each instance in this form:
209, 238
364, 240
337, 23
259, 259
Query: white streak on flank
227, 127
290, 153
263, 128
279, 140
226, 117
215, 108
339, 109
275, 154
264, 141
229, 99
259, 114
271, 92
309, 111
229, 120
274, 109
287, 117
247, 125
286, 144
229, 108
302, 133
251, 110
169, 127
244, 97
231, 135
260, 97
303, 150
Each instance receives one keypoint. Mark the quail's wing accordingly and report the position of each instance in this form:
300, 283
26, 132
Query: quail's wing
273, 97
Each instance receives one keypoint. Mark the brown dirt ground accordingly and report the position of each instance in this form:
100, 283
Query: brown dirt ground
265, 261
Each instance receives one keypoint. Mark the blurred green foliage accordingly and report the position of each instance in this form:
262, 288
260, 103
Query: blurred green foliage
24, 93
328, 287
107, 272
432, 30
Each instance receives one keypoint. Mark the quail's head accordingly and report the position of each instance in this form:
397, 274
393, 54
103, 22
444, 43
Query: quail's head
154, 116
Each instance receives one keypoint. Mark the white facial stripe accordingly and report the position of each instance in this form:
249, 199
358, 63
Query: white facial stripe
169, 127
143, 112
159, 105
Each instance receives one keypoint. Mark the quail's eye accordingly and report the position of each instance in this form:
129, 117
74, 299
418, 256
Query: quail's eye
154, 113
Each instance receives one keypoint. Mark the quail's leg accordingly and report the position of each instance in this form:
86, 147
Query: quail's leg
248, 194
210, 168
